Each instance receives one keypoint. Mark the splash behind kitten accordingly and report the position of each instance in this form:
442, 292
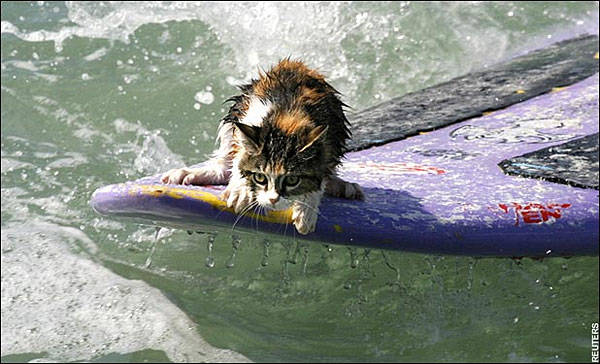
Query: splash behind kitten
280, 144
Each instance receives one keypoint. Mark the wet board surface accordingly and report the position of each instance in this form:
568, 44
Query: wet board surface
438, 192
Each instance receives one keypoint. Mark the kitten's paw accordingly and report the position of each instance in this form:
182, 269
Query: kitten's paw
305, 220
196, 176
237, 197
199, 177
174, 176
353, 191
337, 187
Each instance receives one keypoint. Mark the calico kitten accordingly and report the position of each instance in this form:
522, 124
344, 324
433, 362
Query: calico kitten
280, 145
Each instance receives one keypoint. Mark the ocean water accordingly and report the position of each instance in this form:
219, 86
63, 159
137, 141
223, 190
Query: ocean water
100, 93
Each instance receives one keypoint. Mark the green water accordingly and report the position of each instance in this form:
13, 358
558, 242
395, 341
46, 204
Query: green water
100, 93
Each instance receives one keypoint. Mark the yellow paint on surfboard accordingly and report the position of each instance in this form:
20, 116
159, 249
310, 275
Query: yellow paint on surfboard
279, 217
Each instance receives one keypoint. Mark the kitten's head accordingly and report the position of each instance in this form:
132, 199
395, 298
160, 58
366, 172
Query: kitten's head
280, 167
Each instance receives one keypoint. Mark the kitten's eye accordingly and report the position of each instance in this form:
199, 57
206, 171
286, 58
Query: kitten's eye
292, 181
260, 178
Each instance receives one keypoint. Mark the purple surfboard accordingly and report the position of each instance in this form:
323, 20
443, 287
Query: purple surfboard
439, 192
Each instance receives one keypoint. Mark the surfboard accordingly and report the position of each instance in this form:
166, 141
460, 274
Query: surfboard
489, 185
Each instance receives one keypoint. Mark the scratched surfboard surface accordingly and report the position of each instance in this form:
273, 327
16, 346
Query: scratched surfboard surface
438, 192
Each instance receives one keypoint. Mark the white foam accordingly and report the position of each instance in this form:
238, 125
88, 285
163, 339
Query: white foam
204, 97
97, 54
26, 65
155, 156
73, 309
369, 52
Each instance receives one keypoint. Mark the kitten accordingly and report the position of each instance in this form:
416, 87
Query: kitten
280, 145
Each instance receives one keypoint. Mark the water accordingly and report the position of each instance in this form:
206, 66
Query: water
100, 93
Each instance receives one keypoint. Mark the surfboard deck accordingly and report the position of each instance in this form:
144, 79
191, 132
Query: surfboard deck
438, 192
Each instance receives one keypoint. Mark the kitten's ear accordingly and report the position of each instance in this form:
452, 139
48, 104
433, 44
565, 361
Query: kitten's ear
251, 134
313, 136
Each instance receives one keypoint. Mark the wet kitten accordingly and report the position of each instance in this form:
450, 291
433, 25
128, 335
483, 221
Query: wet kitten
280, 144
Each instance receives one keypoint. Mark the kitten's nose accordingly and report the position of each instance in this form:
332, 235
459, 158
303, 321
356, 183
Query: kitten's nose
274, 200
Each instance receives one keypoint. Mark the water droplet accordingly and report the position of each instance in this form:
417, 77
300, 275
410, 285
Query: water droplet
265, 258
470, 274
293, 258
353, 257
148, 262
235, 244
304, 259
285, 274
389, 265
210, 261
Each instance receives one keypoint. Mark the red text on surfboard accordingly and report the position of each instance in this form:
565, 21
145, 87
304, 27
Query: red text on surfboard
534, 213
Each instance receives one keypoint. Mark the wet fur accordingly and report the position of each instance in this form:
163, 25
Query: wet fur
288, 123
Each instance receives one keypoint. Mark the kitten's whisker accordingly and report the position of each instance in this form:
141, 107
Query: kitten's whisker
236, 221
257, 211
241, 213
262, 211
285, 228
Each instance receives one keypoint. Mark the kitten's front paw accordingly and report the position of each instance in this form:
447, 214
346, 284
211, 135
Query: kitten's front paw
337, 187
305, 220
354, 192
175, 176
237, 197
196, 176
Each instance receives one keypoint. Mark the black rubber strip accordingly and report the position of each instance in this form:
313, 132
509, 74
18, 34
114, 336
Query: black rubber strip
468, 96
573, 163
